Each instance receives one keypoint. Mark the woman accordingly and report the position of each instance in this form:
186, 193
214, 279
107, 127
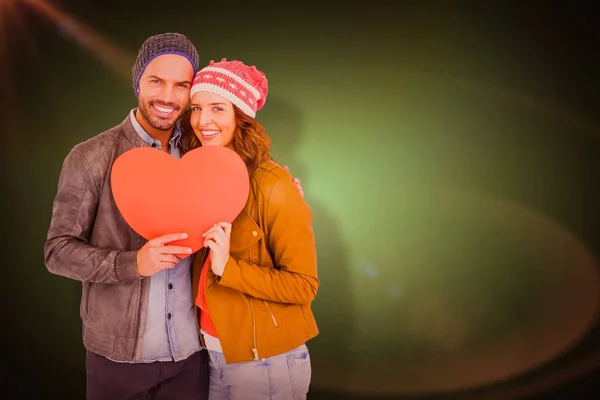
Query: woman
255, 283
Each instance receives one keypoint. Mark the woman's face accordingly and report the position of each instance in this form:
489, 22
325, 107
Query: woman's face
213, 119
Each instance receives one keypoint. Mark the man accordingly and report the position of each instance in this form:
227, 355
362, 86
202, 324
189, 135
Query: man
138, 316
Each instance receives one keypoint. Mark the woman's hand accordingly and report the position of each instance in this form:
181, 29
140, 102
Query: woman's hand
217, 239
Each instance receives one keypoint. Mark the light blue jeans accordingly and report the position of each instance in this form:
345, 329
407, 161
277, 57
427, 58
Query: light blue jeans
285, 376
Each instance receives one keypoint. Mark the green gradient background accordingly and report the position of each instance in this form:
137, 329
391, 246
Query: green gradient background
450, 170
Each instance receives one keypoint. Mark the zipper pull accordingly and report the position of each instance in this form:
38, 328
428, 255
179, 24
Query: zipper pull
255, 352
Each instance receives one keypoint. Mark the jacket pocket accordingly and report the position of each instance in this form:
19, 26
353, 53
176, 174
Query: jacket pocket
271, 314
85, 303
299, 368
245, 234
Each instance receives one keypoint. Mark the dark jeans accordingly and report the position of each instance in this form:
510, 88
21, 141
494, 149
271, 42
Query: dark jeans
182, 380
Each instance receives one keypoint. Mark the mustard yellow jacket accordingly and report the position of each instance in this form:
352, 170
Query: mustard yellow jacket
261, 305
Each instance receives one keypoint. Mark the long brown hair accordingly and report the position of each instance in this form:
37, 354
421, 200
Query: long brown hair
250, 141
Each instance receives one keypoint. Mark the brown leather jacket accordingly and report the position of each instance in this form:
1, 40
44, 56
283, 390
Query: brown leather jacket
88, 240
261, 306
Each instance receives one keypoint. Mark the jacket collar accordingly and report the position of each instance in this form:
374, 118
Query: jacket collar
131, 135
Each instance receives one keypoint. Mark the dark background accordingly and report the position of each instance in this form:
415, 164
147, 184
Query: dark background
448, 149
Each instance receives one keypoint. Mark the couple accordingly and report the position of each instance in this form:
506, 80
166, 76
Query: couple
233, 317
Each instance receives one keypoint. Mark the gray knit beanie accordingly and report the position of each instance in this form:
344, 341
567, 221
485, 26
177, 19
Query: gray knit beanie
164, 43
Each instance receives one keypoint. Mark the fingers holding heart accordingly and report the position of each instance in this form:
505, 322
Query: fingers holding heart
217, 240
219, 233
169, 259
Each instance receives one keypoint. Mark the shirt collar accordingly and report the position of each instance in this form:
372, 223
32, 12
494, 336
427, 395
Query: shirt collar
173, 142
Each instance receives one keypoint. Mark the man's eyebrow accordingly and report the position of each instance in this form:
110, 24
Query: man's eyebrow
161, 79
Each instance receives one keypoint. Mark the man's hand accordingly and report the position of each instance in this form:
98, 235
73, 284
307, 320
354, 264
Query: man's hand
217, 239
296, 181
156, 255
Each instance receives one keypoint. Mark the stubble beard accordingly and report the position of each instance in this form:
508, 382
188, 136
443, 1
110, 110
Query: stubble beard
155, 122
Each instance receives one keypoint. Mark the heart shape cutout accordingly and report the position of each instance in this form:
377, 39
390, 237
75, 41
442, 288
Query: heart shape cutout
159, 194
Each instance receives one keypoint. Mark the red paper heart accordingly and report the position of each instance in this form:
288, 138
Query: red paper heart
158, 194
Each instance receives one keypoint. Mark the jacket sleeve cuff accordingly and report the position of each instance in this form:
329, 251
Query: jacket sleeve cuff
231, 274
126, 266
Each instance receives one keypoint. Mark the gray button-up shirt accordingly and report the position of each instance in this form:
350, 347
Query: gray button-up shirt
171, 330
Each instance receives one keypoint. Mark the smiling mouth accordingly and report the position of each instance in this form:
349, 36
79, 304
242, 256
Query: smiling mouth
163, 110
210, 134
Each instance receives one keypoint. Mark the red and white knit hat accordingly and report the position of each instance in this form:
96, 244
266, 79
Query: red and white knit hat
244, 86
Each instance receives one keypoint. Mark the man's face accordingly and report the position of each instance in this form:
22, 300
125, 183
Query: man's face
164, 90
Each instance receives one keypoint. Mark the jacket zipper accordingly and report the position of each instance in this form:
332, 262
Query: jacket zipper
272, 316
137, 344
254, 350
87, 297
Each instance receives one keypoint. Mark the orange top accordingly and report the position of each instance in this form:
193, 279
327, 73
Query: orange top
206, 321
